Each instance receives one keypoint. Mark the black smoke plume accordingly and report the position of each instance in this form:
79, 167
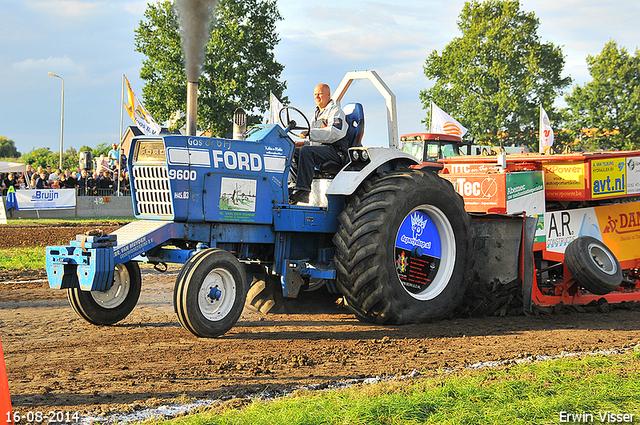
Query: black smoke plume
196, 18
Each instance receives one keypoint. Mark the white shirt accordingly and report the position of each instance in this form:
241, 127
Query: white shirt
329, 124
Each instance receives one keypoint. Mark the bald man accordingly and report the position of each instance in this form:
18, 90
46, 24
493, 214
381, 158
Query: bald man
328, 134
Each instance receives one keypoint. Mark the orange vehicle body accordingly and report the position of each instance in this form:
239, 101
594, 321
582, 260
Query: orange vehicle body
588, 193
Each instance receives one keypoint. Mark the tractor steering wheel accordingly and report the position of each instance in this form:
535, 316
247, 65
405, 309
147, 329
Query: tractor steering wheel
291, 124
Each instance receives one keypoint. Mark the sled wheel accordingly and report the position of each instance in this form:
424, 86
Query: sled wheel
593, 265
401, 248
210, 295
114, 304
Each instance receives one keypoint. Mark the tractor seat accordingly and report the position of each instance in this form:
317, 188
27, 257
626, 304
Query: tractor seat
354, 113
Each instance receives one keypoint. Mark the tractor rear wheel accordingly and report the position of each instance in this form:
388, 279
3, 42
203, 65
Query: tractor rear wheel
593, 265
402, 247
210, 295
114, 304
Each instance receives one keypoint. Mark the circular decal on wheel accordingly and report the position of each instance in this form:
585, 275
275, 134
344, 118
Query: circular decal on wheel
417, 252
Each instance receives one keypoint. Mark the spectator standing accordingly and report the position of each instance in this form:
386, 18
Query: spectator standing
123, 160
9, 181
101, 165
92, 184
73, 178
124, 182
82, 183
55, 175
105, 184
113, 156
28, 174
42, 182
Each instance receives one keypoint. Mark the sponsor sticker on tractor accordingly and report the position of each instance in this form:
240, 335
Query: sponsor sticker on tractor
237, 198
417, 252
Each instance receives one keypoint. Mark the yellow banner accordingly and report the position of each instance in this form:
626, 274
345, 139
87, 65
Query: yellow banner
564, 175
608, 177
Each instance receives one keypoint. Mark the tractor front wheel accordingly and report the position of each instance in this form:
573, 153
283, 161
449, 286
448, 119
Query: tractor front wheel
210, 295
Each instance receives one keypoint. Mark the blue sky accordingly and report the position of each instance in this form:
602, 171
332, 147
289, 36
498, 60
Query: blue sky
90, 44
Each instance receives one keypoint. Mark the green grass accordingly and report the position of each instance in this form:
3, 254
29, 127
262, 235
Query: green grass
62, 221
22, 258
534, 393
34, 258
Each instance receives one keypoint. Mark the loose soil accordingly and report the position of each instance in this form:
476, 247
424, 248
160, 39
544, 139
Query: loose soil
57, 361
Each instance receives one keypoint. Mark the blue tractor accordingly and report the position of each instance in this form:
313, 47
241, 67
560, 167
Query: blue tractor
391, 238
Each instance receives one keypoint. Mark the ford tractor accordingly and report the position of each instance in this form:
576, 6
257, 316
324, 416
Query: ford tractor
391, 237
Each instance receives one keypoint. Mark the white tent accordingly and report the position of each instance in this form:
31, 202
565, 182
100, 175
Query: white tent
12, 167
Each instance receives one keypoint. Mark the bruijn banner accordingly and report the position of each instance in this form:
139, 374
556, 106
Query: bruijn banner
42, 199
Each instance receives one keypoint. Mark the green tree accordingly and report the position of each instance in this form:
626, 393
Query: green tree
8, 148
605, 112
239, 68
70, 160
101, 148
495, 76
41, 157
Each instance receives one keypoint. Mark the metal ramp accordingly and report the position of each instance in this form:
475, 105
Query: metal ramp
140, 236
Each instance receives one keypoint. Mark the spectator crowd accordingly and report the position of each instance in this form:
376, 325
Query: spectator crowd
108, 177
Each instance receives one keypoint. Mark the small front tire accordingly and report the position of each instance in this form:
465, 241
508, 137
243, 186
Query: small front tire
114, 304
210, 297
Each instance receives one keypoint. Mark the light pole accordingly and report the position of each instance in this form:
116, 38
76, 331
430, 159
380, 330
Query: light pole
61, 116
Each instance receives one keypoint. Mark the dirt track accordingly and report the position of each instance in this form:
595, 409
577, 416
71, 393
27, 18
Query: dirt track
57, 361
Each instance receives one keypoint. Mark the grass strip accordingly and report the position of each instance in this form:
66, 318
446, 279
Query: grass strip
22, 258
591, 387
66, 220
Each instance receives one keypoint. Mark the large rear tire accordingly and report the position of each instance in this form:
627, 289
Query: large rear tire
114, 304
210, 295
402, 247
593, 265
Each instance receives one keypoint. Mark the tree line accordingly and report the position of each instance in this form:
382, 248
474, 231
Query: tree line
493, 79
497, 74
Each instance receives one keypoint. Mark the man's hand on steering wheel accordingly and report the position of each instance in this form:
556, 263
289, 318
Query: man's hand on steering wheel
291, 125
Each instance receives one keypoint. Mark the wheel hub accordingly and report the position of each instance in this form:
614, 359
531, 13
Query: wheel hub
424, 252
217, 294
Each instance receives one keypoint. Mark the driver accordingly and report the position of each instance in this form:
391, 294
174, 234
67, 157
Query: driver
328, 137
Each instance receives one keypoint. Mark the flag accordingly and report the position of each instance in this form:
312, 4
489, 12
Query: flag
443, 123
546, 132
138, 114
12, 201
274, 109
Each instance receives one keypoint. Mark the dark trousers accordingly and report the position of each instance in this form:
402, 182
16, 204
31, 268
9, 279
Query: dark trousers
308, 157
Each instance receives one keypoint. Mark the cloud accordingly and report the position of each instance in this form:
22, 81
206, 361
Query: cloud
66, 8
136, 8
48, 64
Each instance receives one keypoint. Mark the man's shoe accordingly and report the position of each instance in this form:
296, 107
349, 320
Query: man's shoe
299, 195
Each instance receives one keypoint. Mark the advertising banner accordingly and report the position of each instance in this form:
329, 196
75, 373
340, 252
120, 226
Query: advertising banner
608, 177
617, 226
564, 180
633, 175
42, 199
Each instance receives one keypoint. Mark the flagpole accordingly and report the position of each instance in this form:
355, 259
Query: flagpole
121, 123
431, 119
540, 130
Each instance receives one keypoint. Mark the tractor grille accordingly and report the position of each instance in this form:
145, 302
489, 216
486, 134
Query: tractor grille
152, 190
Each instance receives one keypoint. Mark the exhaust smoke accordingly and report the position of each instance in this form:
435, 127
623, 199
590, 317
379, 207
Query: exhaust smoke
195, 18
